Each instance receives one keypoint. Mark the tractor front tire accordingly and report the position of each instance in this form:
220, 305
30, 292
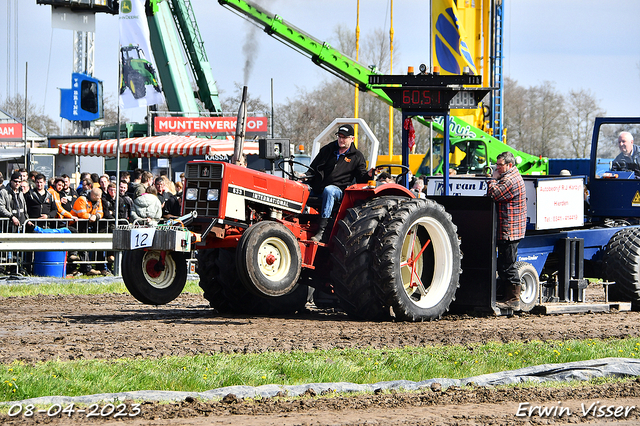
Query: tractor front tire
225, 292
269, 259
148, 282
352, 259
418, 260
622, 266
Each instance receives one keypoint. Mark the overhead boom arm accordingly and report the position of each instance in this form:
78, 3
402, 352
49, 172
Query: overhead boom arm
351, 71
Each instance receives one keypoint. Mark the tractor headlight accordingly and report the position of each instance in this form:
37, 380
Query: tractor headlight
191, 194
212, 195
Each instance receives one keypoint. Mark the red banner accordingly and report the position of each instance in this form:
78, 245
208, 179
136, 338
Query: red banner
206, 125
11, 131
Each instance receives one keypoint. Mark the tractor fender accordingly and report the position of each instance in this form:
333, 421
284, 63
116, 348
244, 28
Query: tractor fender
357, 194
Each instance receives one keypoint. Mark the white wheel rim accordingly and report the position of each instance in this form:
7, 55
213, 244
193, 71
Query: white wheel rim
426, 294
529, 284
274, 259
158, 279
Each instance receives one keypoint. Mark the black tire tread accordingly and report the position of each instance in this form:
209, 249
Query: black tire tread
225, 292
139, 84
622, 265
352, 258
140, 288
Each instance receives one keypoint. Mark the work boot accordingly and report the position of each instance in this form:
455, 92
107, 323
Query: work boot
321, 227
511, 298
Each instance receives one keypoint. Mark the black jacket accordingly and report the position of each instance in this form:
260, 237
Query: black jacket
108, 206
630, 164
124, 207
172, 205
331, 169
38, 205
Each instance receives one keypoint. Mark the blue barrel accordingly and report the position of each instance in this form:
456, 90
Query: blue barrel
50, 263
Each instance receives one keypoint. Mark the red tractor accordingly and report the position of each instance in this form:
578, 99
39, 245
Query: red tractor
389, 253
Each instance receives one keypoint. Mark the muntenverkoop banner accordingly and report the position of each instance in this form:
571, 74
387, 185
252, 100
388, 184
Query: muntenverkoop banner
139, 84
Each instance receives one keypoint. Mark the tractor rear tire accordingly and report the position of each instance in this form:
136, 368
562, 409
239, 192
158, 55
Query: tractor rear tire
418, 260
622, 266
530, 285
226, 294
352, 259
137, 85
148, 285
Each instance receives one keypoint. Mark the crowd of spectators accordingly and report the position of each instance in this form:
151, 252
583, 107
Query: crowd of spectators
29, 202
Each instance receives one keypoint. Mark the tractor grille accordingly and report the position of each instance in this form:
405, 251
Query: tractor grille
203, 177
205, 170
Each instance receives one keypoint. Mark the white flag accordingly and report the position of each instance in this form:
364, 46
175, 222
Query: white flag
139, 85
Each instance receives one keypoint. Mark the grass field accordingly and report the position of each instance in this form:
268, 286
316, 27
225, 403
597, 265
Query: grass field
76, 286
205, 372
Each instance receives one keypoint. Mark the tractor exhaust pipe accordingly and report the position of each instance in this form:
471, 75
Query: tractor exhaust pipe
241, 127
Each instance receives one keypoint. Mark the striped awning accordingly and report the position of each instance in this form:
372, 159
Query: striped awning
155, 146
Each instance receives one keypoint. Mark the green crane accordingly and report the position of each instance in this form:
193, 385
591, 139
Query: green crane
171, 26
330, 59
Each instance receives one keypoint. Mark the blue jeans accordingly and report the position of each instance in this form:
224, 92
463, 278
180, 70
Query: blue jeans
330, 195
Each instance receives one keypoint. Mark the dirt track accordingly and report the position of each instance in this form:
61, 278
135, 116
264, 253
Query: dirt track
86, 327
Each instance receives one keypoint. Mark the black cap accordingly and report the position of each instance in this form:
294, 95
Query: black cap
345, 130
16, 176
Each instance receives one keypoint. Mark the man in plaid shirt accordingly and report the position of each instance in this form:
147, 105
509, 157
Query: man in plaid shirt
507, 189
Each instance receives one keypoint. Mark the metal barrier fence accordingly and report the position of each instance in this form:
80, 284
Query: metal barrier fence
88, 246
87, 243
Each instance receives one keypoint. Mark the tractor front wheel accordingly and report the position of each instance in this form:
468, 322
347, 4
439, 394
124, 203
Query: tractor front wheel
269, 259
152, 280
226, 294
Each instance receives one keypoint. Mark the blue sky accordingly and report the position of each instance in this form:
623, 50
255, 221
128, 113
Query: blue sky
586, 44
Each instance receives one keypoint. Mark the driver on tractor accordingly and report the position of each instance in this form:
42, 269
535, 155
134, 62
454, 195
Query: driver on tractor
335, 167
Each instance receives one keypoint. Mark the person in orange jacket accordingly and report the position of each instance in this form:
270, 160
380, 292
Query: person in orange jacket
54, 191
89, 206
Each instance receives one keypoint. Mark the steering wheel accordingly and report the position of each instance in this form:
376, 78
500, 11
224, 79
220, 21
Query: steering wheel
405, 170
308, 173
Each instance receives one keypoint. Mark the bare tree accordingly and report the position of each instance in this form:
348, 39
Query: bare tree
542, 121
36, 118
301, 119
231, 103
549, 114
110, 109
539, 120
582, 109
304, 117
516, 114
535, 118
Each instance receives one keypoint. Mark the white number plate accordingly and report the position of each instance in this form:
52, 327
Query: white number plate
142, 237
